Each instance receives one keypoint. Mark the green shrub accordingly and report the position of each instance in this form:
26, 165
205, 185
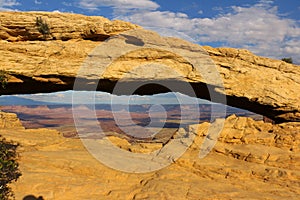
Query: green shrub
3, 79
287, 60
42, 26
9, 168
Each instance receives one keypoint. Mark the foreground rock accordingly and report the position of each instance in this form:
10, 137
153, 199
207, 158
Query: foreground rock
251, 160
39, 62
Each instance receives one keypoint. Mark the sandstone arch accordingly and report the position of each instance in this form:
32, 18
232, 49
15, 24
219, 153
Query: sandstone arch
265, 86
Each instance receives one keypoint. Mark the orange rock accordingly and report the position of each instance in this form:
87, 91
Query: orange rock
56, 167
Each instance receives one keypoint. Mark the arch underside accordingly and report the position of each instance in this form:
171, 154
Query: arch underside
201, 90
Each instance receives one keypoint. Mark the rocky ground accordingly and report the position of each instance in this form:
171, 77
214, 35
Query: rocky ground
251, 160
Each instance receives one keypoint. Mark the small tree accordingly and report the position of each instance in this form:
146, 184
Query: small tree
43, 27
3, 79
287, 60
9, 168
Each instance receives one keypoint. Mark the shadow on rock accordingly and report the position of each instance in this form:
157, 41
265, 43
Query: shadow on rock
31, 197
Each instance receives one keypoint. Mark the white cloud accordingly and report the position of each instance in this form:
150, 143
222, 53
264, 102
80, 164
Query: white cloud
7, 4
218, 8
37, 2
67, 4
259, 28
177, 21
121, 6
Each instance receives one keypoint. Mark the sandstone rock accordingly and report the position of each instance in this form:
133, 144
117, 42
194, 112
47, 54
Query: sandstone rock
10, 121
251, 159
61, 168
266, 86
21, 26
265, 81
246, 131
137, 147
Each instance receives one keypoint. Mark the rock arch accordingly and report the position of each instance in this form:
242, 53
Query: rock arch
265, 86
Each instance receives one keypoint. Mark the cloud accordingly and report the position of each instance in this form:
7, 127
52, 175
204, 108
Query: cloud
200, 12
37, 2
7, 4
120, 6
259, 28
67, 4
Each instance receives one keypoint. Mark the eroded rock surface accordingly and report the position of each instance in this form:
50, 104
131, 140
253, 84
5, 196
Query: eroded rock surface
9, 120
251, 160
21, 26
268, 82
38, 63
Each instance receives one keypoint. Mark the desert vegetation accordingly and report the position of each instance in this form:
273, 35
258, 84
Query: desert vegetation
3, 79
9, 167
288, 60
43, 27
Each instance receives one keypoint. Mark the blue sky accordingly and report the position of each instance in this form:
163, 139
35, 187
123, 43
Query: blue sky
266, 27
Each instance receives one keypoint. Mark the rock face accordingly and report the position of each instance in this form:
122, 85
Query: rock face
18, 26
251, 160
271, 83
39, 62
9, 120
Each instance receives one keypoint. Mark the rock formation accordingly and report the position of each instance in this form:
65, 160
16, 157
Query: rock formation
251, 160
38, 63
18, 26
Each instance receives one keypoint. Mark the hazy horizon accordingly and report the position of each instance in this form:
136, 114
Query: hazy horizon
92, 97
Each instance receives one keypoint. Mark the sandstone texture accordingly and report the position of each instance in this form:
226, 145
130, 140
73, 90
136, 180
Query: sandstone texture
262, 80
35, 62
18, 26
251, 160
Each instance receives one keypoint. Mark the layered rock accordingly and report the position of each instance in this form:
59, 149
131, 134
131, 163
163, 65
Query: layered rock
9, 120
18, 26
38, 63
264, 81
262, 85
251, 160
